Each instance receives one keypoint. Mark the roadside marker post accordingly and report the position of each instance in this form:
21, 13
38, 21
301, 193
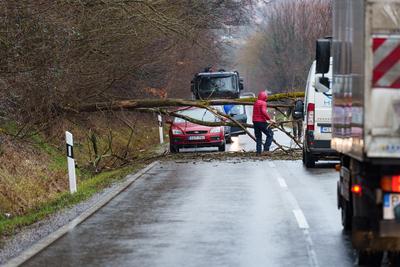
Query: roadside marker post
160, 127
71, 162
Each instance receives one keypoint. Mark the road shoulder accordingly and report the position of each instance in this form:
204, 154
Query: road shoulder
33, 239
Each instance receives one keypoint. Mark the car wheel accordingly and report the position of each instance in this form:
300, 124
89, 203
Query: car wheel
222, 148
309, 160
173, 149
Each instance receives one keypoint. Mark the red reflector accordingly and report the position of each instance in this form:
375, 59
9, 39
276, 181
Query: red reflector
396, 183
391, 183
356, 189
310, 116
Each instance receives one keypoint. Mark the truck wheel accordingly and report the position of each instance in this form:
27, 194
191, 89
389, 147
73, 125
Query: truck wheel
308, 159
173, 149
346, 216
394, 258
369, 258
222, 148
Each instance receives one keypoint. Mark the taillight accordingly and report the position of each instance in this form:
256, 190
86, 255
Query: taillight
310, 116
356, 189
391, 183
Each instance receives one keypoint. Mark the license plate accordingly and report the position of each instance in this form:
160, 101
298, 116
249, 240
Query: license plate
326, 129
389, 202
197, 137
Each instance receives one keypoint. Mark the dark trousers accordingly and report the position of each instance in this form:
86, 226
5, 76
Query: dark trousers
259, 128
297, 129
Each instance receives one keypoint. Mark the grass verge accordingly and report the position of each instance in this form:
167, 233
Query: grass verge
86, 189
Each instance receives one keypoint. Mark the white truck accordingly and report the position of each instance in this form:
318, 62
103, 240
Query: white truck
366, 121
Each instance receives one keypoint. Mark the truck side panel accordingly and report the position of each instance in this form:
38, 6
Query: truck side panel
348, 77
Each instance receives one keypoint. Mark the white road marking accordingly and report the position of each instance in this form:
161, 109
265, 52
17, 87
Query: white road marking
301, 219
312, 255
271, 164
282, 182
299, 216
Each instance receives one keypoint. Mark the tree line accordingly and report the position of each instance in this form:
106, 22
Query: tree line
68, 52
279, 54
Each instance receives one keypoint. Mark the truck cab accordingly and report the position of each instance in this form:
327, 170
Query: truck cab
317, 122
220, 84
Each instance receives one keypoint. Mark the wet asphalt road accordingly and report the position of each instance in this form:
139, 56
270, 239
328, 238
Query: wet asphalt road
265, 213
247, 213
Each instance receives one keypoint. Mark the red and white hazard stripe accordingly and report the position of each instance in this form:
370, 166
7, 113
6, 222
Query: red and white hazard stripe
386, 73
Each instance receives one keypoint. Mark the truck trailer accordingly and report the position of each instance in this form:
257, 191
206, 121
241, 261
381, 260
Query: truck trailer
365, 48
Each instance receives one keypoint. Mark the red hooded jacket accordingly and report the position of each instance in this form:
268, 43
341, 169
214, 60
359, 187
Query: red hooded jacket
260, 108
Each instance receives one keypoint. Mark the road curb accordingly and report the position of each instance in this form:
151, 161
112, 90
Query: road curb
48, 240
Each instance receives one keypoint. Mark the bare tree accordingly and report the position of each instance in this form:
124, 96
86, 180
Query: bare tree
278, 56
67, 52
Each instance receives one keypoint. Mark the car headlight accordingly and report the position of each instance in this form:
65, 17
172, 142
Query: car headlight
176, 132
216, 130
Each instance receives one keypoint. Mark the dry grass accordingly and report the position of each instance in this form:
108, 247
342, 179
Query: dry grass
33, 171
26, 177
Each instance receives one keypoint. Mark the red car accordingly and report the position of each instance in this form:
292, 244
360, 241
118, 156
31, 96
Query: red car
184, 134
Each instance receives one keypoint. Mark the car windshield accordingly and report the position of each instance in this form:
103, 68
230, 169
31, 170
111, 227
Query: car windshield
217, 84
197, 114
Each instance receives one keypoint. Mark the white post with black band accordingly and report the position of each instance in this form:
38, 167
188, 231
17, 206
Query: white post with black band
160, 127
71, 162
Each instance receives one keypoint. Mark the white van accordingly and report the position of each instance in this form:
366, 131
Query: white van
317, 123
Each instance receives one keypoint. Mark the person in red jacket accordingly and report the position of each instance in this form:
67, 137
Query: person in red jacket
260, 122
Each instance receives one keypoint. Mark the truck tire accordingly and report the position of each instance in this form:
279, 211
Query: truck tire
347, 215
173, 149
394, 258
308, 159
369, 258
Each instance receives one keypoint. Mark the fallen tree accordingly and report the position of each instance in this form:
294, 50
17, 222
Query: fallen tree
132, 104
169, 107
227, 120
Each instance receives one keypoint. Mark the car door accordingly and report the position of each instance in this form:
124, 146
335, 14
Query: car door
238, 112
